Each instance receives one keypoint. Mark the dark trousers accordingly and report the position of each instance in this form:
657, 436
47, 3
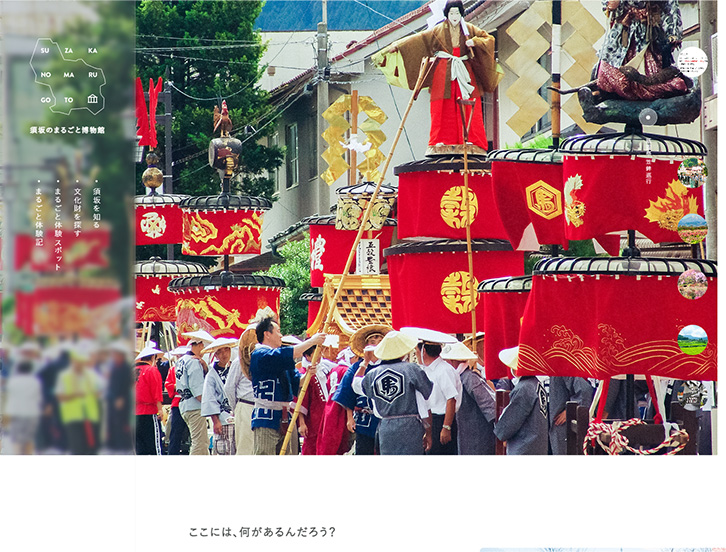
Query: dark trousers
148, 434
178, 433
437, 423
364, 445
82, 437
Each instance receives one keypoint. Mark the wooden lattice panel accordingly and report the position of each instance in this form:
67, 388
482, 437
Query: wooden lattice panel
364, 300
361, 307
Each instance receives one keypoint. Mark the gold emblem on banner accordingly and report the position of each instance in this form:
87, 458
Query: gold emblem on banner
350, 212
453, 207
668, 210
456, 292
544, 200
574, 208
153, 225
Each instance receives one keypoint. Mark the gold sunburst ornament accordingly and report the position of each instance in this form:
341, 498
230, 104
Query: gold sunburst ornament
671, 208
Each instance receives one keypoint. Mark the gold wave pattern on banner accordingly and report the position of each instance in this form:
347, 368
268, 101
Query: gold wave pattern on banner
334, 135
661, 357
671, 208
200, 229
243, 238
453, 207
157, 314
456, 292
211, 310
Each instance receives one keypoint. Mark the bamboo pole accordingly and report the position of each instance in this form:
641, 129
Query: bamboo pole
469, 252
426, 65
353, 172
556, 77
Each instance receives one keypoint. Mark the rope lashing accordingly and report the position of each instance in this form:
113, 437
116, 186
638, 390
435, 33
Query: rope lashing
611, 439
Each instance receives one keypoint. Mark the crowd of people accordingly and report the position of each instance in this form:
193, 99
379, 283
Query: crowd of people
72, 398
414, 391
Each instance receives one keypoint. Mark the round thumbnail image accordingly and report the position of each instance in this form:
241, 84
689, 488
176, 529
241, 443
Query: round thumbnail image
692, 172
692, 228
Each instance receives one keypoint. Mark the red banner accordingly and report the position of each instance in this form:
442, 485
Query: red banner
24, 311
530, 194
604, 194
313, 310
69, 310
602, 325
158, 224
431, 290
503, 313
154, 301
87, 250
70, 252
230, 232
223, 311
24, 247
432, 204
329, 249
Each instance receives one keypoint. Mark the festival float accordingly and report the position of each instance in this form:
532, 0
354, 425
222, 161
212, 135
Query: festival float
185, 293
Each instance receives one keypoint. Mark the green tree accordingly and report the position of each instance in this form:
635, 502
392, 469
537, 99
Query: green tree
212, 53
296, 273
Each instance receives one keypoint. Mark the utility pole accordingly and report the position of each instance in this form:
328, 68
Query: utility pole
323, 191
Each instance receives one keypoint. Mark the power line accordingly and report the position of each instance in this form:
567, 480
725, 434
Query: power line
257, 131
251, 45
195, 38
365, 5
224, 61
215, 98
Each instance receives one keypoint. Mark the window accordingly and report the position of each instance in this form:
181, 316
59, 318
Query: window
275, 174
291, 155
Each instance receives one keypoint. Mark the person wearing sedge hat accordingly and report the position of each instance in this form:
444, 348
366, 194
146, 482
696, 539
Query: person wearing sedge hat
177, 429
215, 403
190, 371
359, 409
399, 391
445, 398
475, 417
523, 422
148, 402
